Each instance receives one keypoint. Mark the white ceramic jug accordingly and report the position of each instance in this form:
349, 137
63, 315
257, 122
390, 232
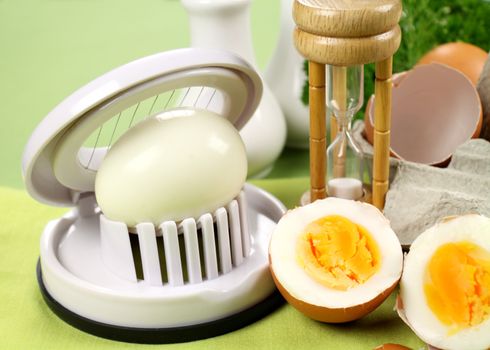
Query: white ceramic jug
225, 24
286, 77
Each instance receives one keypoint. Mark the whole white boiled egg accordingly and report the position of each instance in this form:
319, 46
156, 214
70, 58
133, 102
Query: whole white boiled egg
335, 260
181, 163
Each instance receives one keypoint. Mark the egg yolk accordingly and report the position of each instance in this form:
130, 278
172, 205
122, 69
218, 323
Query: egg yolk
337, 252
457, 285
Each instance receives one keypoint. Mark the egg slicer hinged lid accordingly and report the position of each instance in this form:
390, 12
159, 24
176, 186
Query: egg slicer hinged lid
177, 282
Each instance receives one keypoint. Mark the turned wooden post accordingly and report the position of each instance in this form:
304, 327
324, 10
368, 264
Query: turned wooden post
343, 33
382, 125
318, 130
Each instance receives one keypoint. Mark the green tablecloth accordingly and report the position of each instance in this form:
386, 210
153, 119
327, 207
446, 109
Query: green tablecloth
27, 323
47, 50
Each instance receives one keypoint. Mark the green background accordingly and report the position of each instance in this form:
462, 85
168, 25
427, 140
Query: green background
50, 48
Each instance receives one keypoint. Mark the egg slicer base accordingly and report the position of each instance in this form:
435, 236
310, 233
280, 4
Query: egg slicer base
161, 335
81, 258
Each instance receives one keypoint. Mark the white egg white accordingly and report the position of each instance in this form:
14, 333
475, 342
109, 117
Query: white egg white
301, 286
472, 228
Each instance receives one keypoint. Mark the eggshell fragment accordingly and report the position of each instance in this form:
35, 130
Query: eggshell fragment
435, 109
391, 346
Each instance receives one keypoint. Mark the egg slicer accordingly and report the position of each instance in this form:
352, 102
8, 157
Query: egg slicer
179, 281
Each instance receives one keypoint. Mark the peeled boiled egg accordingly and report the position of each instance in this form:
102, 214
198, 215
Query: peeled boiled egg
335, 260
445, 287
181, 163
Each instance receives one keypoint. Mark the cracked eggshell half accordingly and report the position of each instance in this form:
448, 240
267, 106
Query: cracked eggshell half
434, 104
445, 288
335, 260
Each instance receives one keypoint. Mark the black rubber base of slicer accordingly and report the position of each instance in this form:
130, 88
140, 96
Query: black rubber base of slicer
161, 335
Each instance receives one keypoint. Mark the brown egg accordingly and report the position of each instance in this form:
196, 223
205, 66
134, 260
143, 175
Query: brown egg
468, 59
434, 105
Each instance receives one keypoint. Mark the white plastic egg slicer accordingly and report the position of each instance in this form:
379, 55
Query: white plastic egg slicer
178, 281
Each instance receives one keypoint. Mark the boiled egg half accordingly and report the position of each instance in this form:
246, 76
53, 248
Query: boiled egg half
445, 287
335, 260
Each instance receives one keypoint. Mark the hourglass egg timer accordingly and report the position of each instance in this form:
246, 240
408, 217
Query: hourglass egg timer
166, 242
338, 37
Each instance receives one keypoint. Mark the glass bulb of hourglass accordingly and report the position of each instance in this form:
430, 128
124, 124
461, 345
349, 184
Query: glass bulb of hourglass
345, 160
345, 93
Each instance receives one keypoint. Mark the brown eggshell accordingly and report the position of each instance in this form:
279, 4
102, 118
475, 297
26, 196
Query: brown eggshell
468, 59
435, 109
330, 315
391, 346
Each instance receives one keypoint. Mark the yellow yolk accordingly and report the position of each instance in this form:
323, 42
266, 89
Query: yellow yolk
337, 252
457, 285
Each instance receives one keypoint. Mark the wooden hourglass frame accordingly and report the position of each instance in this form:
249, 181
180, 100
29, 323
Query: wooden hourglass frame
344, 33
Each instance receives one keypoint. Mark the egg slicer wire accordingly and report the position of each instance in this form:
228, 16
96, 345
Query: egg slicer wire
179, 281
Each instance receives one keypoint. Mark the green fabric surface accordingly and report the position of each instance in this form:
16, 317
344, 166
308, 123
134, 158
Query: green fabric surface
27, 323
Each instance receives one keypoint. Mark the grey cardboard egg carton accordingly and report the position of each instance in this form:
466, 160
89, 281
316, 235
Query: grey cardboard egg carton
420, 195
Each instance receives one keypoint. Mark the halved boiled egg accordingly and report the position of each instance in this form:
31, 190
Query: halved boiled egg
445, 287
335, 260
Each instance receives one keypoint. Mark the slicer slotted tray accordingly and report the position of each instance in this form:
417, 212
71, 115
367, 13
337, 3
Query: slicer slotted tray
82, 291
